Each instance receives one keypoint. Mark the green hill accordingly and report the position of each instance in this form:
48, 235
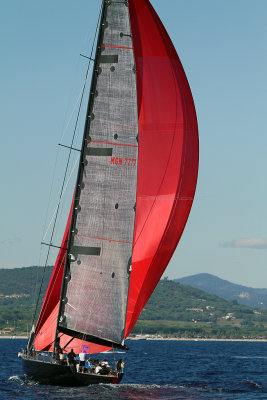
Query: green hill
183, 311
22, 280
19, 289
173, 309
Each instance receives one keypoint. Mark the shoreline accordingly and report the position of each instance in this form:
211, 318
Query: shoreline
166, 338
203, 339
13, 337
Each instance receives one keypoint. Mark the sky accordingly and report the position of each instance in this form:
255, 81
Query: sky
222, 46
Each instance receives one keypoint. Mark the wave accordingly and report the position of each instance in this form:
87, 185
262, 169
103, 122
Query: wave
250, 357
16, 378
114, 351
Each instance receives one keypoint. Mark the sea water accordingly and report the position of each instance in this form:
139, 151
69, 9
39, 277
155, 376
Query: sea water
156, 369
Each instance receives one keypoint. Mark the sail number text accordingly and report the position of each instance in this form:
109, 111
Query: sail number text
126, 162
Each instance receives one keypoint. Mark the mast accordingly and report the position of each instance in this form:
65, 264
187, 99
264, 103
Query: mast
97, 268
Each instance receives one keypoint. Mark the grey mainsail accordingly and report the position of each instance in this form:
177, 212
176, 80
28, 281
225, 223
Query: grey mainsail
97, 271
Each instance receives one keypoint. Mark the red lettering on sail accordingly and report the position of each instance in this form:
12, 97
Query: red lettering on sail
116, 161
126, 162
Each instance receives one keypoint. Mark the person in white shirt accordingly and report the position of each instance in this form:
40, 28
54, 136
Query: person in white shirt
82, 360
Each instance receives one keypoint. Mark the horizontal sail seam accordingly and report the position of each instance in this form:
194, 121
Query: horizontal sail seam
116, 47
109, 240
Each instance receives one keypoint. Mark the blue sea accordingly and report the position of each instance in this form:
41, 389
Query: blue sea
156, 369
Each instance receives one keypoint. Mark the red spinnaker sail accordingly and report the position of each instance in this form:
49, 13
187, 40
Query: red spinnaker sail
167, 158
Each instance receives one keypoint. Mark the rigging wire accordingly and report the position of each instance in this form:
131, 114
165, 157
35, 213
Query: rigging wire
71, 115
64, 130
67, 165
65, 188
56, 160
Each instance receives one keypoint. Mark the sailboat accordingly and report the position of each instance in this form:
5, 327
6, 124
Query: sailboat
134, 191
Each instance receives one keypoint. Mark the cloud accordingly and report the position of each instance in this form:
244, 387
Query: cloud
251, 243
10, 242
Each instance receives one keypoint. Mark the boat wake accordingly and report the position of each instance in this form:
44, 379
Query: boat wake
192, 391
22, 380
139, 392
195, 390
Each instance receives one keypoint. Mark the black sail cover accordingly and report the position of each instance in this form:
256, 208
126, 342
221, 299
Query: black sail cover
97, 273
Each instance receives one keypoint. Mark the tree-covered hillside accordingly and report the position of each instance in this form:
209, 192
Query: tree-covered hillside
22, 280
173, 309
19, 289
179, 310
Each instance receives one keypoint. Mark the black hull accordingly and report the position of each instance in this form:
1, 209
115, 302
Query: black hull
92, 379
63, 375
48, 373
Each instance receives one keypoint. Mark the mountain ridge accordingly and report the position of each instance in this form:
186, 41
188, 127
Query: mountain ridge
227, 290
